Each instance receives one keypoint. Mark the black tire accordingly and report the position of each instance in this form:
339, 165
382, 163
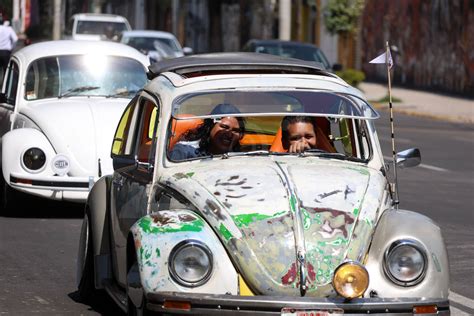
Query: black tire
85, 264
132, 309
7, 198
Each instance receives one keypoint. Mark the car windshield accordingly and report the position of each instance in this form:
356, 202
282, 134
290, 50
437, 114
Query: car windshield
303, 52
84, 75
150, 43
99, 27
257, 123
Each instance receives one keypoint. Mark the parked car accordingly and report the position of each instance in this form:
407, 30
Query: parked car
97, 26
299, 50
256, 230
59, 106
157, 45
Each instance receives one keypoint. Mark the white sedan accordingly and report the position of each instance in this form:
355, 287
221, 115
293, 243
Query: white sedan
157, 45
59, 108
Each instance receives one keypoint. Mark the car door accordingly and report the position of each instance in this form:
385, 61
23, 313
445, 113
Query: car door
134, 141
8, 97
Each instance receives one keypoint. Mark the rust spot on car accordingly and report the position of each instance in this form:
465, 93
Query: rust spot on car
228, 182
214, 209
186, 218
160, 218
290, 276
236, 196
311, 272
217, 193
246, 187
347, 191
325, 195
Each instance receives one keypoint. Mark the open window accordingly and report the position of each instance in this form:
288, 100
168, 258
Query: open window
135, 139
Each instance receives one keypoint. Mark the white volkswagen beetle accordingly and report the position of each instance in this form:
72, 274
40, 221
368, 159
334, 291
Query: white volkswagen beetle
59, 107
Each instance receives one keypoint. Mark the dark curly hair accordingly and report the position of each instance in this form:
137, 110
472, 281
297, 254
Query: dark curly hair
203, 131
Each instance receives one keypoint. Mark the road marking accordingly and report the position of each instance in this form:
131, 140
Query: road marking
422, 165
41, 300
430, 167
462, 300
457, 312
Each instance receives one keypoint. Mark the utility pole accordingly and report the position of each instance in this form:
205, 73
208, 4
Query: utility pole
284, 12
57, 20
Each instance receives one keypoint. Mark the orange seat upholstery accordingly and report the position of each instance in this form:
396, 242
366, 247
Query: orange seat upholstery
322, 140
179, 128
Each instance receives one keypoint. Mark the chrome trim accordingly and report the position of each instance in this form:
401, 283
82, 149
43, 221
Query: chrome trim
182, 245
404, 242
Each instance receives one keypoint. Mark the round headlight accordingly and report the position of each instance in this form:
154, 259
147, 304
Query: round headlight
34, 158
190, 263
350, 280
405, 262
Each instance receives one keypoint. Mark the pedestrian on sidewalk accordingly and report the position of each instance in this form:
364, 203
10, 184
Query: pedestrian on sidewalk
8, 40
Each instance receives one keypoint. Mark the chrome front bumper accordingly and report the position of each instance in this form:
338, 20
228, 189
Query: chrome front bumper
208, 304
52, 182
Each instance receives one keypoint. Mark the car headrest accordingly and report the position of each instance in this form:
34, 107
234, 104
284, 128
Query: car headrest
322, 139
180, 127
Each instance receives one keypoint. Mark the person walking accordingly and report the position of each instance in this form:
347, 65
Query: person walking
8, 40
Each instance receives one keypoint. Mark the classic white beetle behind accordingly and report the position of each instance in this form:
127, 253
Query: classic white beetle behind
59, 107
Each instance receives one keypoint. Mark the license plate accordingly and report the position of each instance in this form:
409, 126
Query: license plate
289, 311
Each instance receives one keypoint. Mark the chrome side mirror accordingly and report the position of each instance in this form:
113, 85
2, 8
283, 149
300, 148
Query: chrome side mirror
409, 158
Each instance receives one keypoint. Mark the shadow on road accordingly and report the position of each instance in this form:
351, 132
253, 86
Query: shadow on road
28, 206
101, 303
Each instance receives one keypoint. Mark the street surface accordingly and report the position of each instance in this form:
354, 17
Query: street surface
38, 247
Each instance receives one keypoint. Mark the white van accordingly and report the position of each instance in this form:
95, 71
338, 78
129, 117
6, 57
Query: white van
94, 26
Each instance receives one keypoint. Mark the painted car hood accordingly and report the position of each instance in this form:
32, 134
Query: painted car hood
252, 205
81, 128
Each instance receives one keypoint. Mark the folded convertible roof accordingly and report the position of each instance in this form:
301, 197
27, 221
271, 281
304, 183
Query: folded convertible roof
235, 63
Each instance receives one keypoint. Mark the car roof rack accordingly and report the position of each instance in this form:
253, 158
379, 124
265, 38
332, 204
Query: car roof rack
235, 63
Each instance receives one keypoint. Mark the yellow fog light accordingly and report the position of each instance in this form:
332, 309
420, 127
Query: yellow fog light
350, 280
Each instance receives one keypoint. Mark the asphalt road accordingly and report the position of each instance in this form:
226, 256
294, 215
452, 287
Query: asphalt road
38, 247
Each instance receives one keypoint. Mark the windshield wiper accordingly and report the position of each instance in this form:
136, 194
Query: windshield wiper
324, 154
120, 94
248, 153
73, 91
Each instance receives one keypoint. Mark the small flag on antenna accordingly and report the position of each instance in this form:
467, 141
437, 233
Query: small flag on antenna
381, 59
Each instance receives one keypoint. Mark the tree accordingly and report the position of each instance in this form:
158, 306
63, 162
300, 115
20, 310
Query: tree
341, 16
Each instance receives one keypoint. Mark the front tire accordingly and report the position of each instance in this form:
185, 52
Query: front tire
136, 301
7, 197
85, 263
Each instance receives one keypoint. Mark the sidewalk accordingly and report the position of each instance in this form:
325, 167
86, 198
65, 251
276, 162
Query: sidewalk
422, 103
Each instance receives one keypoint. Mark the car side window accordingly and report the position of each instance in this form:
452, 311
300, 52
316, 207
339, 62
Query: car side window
147, 132
11, 84
123, 139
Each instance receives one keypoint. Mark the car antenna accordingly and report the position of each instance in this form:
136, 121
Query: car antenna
386, 58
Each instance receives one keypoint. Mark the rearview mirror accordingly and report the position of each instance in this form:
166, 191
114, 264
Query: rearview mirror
409, 158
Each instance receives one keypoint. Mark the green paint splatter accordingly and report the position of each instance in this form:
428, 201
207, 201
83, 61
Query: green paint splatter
293, 203
306, 219
225, 232
246, 219
362, 171
158, 254
190, 174
356, 211
149, 227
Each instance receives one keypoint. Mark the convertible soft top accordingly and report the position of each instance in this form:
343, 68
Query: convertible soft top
236, 63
